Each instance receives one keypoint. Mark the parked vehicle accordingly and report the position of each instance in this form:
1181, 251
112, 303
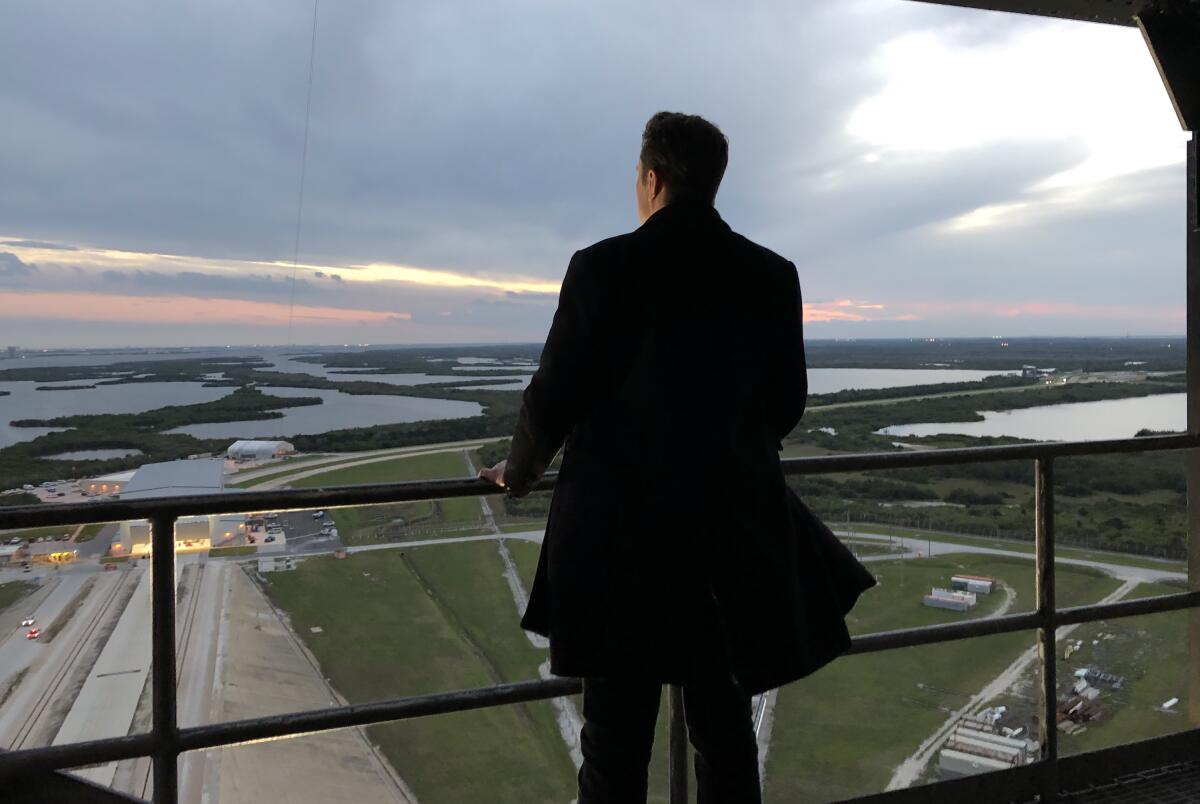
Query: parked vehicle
270, 537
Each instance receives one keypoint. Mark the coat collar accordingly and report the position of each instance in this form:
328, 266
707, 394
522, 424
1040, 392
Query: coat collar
685, 213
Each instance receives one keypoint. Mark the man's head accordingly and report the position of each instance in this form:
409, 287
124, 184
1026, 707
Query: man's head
683, 158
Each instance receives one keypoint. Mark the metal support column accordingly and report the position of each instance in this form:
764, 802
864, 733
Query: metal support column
1193, 422
1171, 31
162, 593
678, 739
1044, 590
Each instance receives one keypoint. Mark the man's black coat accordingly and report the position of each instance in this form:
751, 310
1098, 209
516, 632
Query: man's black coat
673, 368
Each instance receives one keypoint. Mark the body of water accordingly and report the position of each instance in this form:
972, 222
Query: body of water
338, 411
1076, 421
832, 380
26, 402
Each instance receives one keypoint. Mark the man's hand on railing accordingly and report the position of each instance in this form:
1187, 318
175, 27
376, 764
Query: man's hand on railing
495, 474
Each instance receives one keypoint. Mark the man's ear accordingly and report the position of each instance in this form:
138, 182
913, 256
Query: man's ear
654, 184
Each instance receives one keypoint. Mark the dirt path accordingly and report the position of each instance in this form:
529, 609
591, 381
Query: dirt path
570, 724
908, 771
267, 671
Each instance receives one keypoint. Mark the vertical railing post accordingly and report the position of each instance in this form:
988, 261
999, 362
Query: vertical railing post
678, 741
162, 598
1044, 590
1192, 461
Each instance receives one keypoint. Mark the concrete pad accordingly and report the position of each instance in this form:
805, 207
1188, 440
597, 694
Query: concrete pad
265, 672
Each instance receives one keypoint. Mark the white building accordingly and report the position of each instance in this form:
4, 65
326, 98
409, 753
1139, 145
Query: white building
258, 450
107, 484
172, 479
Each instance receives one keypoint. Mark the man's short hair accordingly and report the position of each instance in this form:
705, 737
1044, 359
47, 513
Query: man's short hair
687, 152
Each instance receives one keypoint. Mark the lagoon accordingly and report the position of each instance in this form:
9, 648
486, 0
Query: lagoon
1075, 421
337, 411
832, 380
26, 402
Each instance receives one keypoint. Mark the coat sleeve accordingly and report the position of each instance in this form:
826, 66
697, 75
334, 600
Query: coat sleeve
558, 392
790, 374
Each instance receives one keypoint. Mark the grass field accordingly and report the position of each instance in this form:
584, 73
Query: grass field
1151, 653
369, 524
236, 550
841, 732
1103, 556
525, 556
406, 622
13, 591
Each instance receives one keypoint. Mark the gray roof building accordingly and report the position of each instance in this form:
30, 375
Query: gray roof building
173, 478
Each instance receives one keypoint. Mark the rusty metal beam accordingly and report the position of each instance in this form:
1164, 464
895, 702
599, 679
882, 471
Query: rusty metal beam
1044, 592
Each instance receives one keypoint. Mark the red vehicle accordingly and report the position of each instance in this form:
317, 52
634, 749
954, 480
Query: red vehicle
33, 633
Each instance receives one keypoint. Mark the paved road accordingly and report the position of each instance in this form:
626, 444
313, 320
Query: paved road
108, 699
17, 652
199, 624
923, 547
29, 711
344, 460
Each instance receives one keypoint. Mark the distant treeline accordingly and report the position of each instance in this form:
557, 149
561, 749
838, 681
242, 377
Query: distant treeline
1064, 354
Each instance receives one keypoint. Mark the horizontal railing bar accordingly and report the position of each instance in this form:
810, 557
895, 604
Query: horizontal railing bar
29, 516
951, 632
240, 732
289, 724
1127, 608
870, 461
75, 755
297, 723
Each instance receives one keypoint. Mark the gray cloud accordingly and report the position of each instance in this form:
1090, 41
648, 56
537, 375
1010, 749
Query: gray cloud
491, 138
37, 244
195, 283
12, 267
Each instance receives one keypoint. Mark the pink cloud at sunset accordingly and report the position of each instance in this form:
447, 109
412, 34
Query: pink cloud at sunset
840, 310
106, 307
1046, 309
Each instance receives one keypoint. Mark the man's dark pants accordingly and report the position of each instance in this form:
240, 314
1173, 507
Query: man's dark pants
618, 733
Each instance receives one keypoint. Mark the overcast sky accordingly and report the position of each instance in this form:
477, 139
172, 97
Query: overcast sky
931, 171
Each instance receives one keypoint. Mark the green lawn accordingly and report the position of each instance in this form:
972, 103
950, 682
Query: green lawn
407, 622
13, 591
400, 521
1018, 547
525, 556
840, 732
236, 550
1151, 652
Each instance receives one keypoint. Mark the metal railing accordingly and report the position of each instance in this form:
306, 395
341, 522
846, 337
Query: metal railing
167, 740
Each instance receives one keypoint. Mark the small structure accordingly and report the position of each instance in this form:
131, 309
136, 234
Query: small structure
973, 747
176, 478
949, 599
258, 450
12, 553
107, 484
976, 584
